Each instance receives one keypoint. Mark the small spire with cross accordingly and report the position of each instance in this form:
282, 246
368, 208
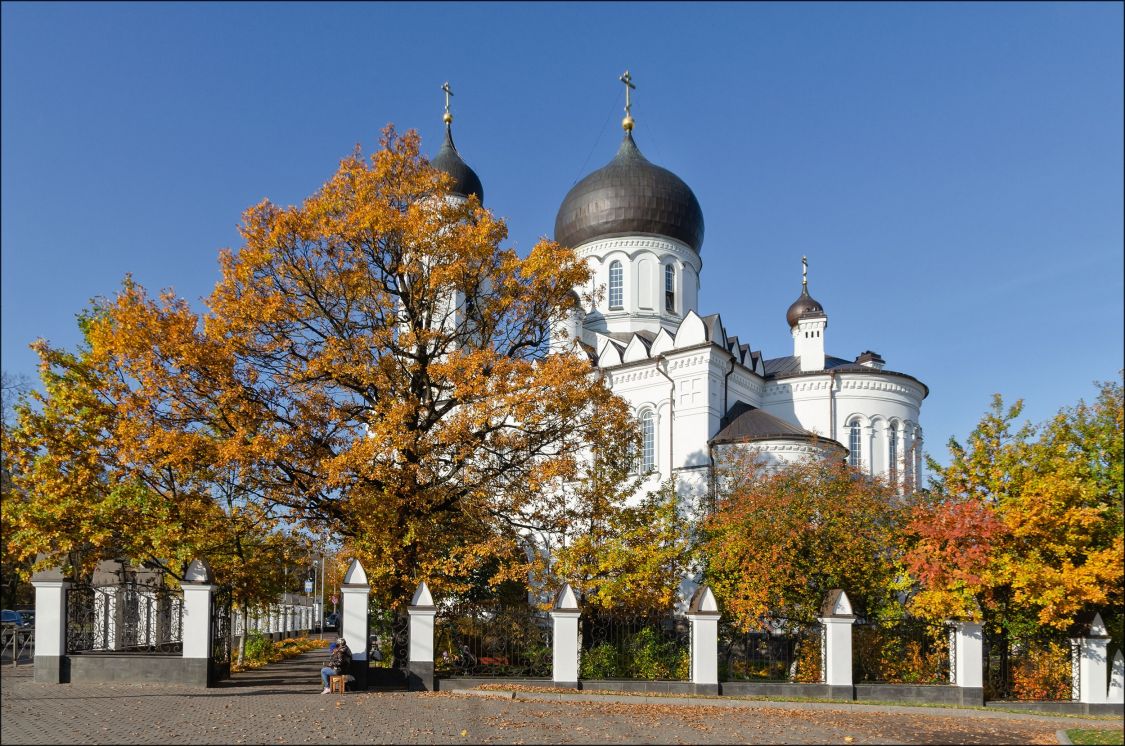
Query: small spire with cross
805, 274
447, 117
627, 122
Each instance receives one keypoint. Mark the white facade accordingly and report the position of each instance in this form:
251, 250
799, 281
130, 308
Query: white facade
685, 373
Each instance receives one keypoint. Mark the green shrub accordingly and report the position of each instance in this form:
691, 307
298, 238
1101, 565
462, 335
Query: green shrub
600, 662
258, 647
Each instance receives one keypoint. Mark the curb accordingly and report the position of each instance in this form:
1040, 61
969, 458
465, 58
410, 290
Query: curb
762, 704
1063, 738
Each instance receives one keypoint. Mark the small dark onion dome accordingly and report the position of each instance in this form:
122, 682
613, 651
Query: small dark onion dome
803, 307
465, 179
630, 196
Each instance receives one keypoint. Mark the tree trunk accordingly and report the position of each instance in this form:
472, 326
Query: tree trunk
244, 615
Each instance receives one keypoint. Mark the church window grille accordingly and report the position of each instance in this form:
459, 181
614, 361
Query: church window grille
855, 442
892, 452
648, 441
670, 288
616, 292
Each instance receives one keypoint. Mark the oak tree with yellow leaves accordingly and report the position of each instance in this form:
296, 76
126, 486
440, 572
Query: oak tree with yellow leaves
373, 362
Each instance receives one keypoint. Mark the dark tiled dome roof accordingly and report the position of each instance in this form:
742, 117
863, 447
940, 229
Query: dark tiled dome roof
630, 196
804, 306
465, 179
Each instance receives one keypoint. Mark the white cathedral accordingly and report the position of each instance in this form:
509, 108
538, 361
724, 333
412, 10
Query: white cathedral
695, 387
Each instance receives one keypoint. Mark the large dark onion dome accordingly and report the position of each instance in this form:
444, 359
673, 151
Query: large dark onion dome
630, 196
465, 179
803, 307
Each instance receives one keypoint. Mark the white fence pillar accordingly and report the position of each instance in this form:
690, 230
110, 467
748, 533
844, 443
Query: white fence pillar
50, 625
421, 659
564, 658
354, 593
198, 588
703, 613
1093, 668
1116, 694
837, 618
966, 659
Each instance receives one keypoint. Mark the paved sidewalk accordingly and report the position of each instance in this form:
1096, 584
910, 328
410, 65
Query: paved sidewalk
281, 703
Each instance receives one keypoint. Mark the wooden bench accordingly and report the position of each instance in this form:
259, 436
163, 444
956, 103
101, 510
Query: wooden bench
337, 684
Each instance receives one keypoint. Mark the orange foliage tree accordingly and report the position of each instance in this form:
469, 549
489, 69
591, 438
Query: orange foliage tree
779, 538
75, 497
371, 362
1025, 526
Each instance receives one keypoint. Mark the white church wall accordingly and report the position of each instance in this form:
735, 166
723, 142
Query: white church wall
874, 398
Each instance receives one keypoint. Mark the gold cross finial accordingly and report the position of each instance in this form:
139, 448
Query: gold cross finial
447, 117
627, 122
804, 273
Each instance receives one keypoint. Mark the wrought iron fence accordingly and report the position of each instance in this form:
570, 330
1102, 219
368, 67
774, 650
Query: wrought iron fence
490, 639
18, 642
221, 627
780, 650
126, 618
389, 638
635, 646
903, 651
1041, 665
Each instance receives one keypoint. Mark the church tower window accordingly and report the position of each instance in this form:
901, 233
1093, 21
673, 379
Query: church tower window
648, 439
855, 443
892, 452
669, 288
616, 291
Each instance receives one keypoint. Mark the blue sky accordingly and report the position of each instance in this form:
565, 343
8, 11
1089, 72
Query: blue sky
953, 171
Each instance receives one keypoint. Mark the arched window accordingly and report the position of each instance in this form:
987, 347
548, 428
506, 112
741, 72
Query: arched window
648, 442
616, 292
892, 452
855, 443
669, 288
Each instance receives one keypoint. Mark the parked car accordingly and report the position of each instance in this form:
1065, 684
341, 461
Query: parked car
332, 620
8, 616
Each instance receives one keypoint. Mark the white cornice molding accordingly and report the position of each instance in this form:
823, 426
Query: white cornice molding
631, 246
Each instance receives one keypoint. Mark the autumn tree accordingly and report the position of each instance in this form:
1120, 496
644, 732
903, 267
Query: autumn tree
373, 362
76, 498
1025, 523
779, 537
623, 552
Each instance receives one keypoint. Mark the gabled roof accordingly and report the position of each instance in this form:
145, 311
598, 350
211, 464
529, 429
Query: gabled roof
792, 364
745, 423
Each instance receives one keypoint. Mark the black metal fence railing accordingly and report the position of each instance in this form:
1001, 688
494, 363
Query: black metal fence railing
487, 639
125, 618
1041, 666
389, 638
16, 643
903, 651
780, 650
648, 647
221, 626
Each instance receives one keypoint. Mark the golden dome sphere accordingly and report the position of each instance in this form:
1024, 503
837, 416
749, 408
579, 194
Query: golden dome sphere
447, 117
627, 123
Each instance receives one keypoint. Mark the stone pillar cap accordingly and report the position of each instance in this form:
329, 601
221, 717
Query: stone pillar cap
565, 600
355, 575
837, 605
1089, 624
422, 596
703, 601
199, 571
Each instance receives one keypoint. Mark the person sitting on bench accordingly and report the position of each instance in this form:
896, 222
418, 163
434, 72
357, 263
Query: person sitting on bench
338, 664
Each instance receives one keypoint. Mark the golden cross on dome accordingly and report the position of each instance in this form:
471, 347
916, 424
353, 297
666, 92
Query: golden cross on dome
805, 272
627, 122
447, 117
